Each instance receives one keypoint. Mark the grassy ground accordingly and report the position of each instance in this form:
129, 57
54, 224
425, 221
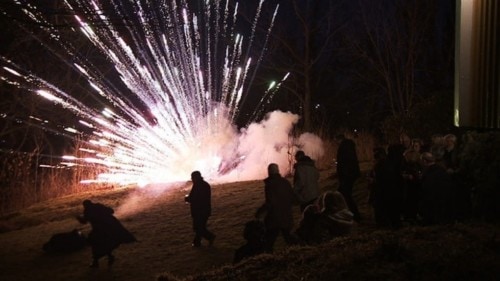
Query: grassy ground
160, 220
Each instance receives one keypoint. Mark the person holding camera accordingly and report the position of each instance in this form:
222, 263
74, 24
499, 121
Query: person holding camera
199, 200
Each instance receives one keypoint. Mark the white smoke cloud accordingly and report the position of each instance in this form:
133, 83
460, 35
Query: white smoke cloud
270, 141
312, 145
226, 155
263, 143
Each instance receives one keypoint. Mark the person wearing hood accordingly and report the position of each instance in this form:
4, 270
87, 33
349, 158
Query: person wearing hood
336, 219
305, 180
107, 232
348, 172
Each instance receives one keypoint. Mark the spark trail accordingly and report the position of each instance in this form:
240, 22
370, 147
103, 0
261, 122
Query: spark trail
185, 75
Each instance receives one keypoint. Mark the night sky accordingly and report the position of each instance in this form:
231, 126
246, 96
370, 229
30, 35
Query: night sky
344, 41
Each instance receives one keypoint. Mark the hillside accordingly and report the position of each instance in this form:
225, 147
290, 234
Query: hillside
160, 220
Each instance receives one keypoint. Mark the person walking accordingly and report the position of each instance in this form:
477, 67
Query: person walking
348, 172
199, 199
107, 232
305, 180
277, 208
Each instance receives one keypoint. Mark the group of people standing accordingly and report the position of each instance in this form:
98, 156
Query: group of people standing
417, 183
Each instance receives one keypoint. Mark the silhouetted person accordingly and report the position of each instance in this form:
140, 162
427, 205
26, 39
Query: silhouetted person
107, 232
201, 208
394, 190
279, 200
417, 145
348, 172
309, 231
305, 180
412, 174
434, 205
254, 234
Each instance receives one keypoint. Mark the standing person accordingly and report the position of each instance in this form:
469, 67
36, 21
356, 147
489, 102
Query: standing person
201, 208
387, 196
305, 180
412, 175
417, 145
279, 200
450, 157
107, 232
348, 172
434, 207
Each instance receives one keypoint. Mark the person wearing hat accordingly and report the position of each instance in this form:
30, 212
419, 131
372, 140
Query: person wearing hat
199, 200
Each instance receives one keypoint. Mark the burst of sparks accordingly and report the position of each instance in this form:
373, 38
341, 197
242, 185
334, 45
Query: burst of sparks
182, 72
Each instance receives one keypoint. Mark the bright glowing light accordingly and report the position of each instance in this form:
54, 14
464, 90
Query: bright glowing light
12, 71
182, 80
49, 96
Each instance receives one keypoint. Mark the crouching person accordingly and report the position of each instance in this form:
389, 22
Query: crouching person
254, 234
107, 232
335, 219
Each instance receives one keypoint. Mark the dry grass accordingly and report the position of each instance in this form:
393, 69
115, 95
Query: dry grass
160, 220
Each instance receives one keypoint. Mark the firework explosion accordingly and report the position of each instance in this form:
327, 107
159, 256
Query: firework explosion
186, 75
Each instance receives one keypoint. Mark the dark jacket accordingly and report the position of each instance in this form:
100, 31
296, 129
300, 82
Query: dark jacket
200, 199
107, 232
436, 193
309, 231
347, 161
279, 200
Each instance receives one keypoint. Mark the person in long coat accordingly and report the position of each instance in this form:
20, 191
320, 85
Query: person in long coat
200, 198
279, 200
434, 207
348, 172
107, 232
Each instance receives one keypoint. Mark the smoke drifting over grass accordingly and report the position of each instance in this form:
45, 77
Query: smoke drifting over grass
240, 156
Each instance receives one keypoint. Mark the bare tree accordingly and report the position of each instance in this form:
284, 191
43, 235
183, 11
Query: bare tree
394, 47
303, 45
